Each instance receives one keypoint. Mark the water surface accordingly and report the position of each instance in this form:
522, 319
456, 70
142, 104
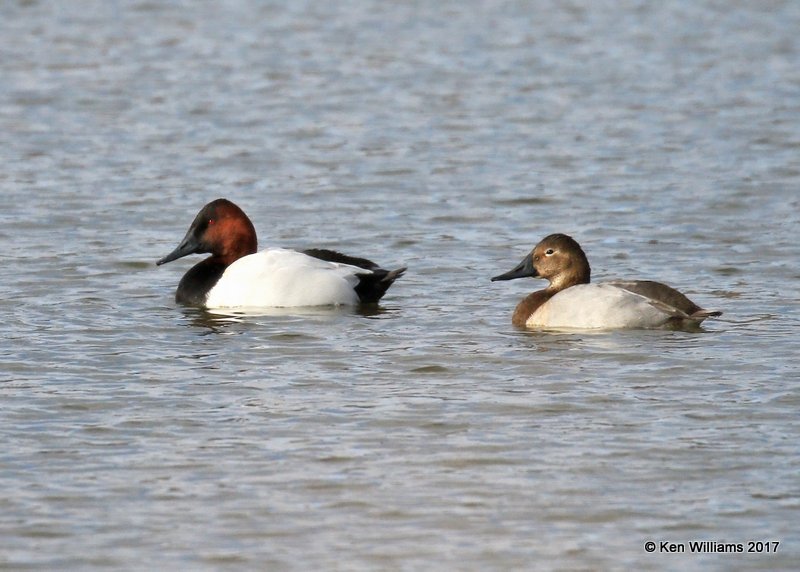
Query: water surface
428, 433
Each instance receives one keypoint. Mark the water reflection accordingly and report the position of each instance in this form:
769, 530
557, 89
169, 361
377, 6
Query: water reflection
222, 320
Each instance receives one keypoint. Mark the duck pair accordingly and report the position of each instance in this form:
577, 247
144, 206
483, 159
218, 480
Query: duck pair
237, 275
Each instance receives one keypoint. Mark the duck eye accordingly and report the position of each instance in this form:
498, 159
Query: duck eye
549, 252
210, 221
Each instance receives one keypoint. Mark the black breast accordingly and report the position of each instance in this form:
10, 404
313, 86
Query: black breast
198, 281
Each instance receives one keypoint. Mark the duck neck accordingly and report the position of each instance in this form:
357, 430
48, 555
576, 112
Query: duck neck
576, 274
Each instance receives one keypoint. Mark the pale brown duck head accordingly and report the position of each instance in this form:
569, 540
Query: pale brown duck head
558, 258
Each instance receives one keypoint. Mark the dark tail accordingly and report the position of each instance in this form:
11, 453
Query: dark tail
372, 287
701, 314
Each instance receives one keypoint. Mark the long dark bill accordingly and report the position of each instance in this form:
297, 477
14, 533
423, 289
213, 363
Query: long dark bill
189, 245
522, 270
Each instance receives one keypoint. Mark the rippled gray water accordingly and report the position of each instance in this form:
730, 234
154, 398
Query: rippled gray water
428, 434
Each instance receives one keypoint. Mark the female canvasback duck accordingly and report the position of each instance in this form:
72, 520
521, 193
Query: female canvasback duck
236, 275
571, 302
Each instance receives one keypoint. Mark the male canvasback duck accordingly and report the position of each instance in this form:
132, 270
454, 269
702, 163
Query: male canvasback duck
236, 275
571, 302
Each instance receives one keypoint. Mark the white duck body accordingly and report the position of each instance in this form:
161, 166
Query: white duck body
601, 306
283, 278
